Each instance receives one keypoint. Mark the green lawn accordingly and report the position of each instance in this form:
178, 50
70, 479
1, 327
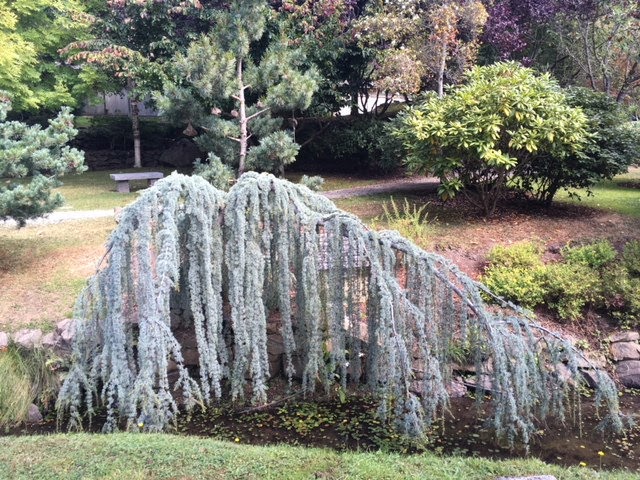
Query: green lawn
143, 456
621, 195
96, 191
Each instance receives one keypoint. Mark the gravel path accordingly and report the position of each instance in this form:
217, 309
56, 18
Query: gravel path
417, 185
61, 216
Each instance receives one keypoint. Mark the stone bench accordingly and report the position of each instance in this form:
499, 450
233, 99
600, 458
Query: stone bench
122, 179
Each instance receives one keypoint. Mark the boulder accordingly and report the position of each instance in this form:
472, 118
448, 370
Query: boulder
590, 360
457, 388
66, 329
34, 415
625, 351
181, 154
629, 373
4, 341
50, 340
591, 377
624, 337
275, 350
28, 338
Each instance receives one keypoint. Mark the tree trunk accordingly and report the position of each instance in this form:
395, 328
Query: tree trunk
135, 124
441, 68
244, 137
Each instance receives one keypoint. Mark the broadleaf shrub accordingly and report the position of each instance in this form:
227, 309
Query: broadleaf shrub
517, 273
587, 277
631, 257
594, 255
570, 287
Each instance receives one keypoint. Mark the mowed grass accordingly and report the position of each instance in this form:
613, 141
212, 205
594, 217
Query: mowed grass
96, 191
621, 195
43, 268
145, 456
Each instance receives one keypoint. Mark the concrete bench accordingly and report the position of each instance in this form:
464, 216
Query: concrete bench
122, 179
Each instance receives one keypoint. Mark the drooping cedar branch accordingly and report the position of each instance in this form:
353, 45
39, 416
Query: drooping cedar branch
355, 306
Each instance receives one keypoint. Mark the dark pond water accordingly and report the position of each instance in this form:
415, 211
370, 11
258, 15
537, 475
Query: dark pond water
353, 425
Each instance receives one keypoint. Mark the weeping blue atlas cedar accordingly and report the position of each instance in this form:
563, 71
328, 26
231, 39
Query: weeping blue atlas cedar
364, 309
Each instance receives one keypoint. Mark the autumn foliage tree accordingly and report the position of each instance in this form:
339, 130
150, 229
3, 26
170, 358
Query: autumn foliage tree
416, 44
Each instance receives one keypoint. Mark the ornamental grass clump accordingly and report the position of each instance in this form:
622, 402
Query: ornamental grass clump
356, 307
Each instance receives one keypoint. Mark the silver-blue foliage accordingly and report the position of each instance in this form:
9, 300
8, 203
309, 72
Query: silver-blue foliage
356, 308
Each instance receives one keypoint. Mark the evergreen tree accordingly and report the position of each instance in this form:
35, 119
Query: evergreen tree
41, 156
228, 81
356, 307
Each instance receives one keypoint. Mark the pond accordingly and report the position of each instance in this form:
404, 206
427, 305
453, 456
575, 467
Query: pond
352, 425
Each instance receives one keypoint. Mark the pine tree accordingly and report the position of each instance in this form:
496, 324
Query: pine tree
39, 155
356, 306
238, 84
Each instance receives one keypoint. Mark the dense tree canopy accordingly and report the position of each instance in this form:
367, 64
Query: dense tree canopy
31, 32
485, 134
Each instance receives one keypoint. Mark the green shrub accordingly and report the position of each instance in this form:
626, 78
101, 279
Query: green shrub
621, 295
313, 183
571, 287
594, 255
517, 273
524, 286
631, 257
353, 144
25, 378
523, 255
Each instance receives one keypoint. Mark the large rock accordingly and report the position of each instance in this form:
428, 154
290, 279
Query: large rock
50, 340
275, 350
28, 338
4, 341
629, 373
624, 337
34, 415
181, 154
457, 388
591, 360
625, 351
591, 377
66, 329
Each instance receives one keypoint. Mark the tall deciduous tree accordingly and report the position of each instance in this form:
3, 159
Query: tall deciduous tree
38, 155
417, 44
227, 85
31, 32
131, 40
602, 41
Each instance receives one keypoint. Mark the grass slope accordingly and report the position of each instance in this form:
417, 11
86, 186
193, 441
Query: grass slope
138, 456
43, 268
